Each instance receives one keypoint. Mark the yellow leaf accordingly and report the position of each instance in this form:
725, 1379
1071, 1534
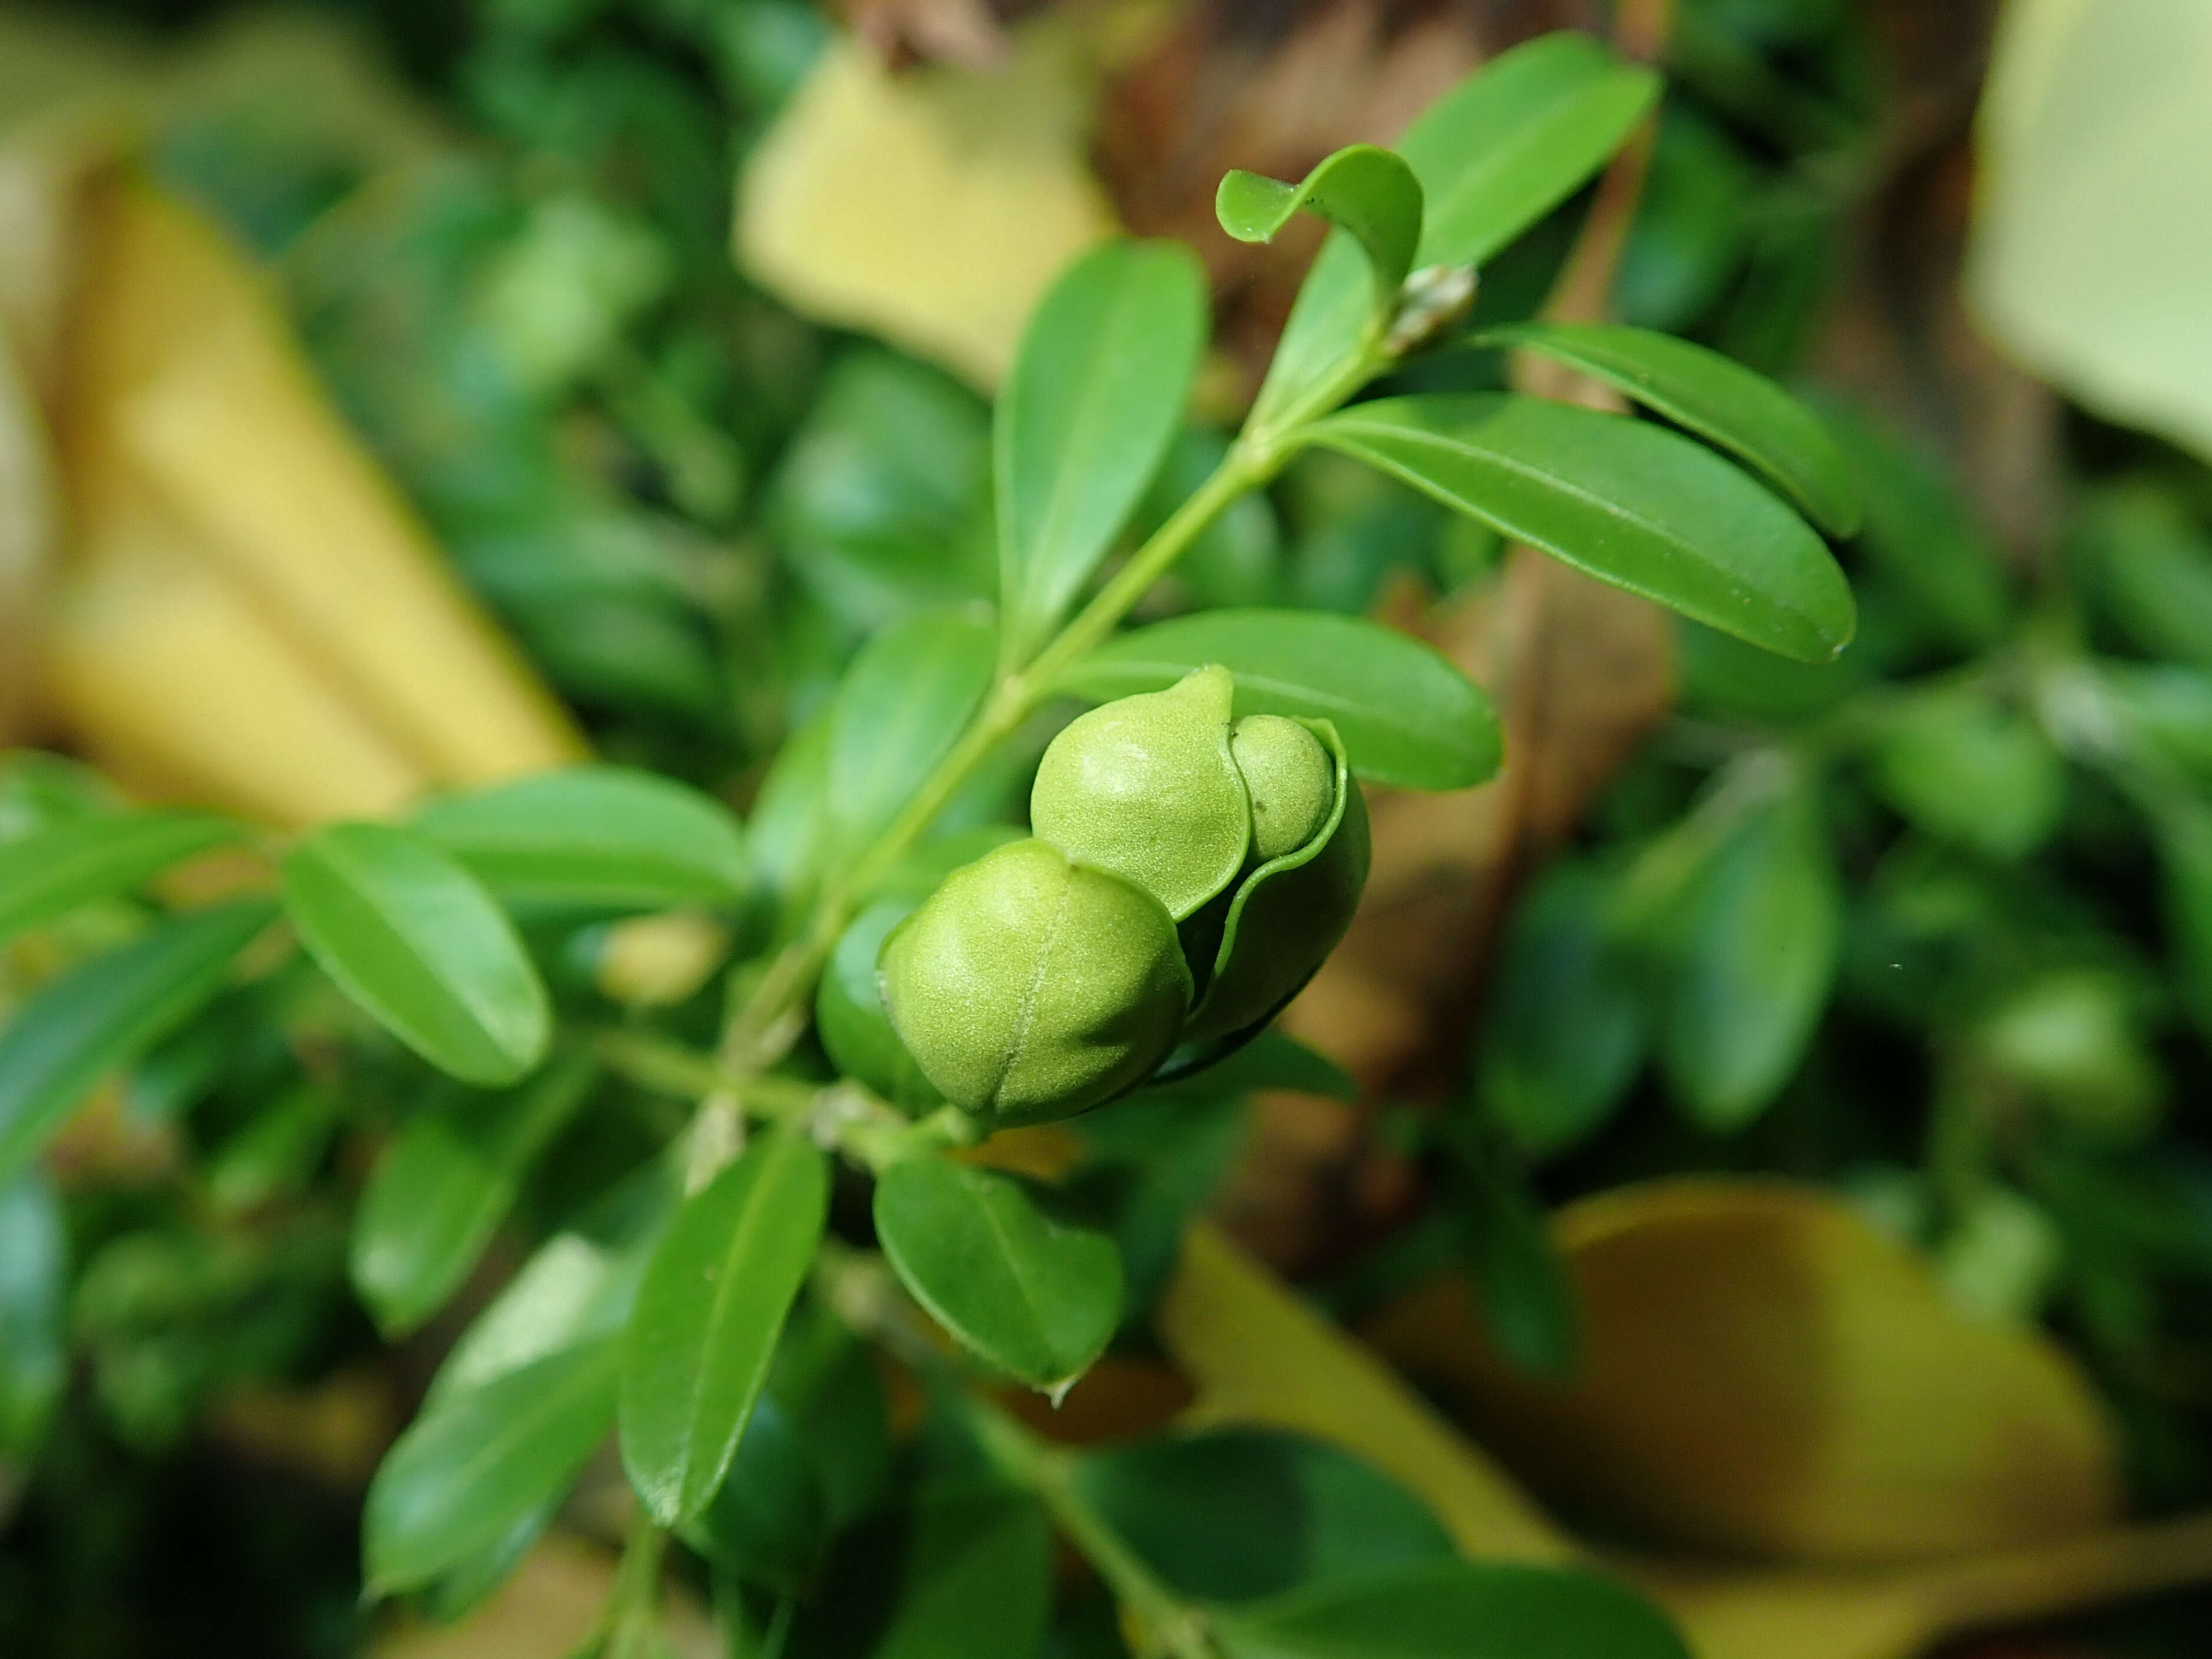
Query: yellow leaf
933, 207
1767, 1377
2093, 232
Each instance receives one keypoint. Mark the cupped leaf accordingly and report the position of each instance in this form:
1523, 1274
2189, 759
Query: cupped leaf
1408, 718
1718, 399
440, 1189
1234, 1515
1626, 502
1368, 191
474, 1466
33, 1296
1492, 156
1454, 1610
594, 834
903, 703
53, 872
106, 1012
1754, 959
1096, 394
713, 1298
1037, 1298
415, 940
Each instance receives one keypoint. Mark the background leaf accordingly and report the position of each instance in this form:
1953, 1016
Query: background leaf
714, 1296
442, 1187
1718, 399
903, 703
1370, 192
1096, 392
104, 1012
1037, 1298
473, 1466
1457, 1610
47, 874
33, 1299
595, 834
1625, 502
1967, 769
416, 940
1408, 716
1492, 156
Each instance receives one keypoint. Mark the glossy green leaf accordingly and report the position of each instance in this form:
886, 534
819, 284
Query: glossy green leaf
1408, 718
960, 1572
1737, 409
1037, 1298
415, 940
769, 1519
1967, 769
442, 1187
52, 872
104, 1012
1096, 393
33, 1299
1624, 500
1492, 156
573, 1290
850, 1014
1755, 962
714, 1297
597, 835
1566, 1027
1454, 1610
1238, 1514
1370, 192
903, 703
474, 1465
788, 833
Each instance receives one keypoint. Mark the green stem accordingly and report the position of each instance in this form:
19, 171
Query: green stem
1171, 1624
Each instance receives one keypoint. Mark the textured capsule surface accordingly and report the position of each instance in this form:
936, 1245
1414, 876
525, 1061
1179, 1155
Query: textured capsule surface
1145, 789
1029, 988
1289, 778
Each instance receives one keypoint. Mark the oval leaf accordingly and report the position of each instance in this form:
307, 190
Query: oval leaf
902, 704
595, 834
1454, 1610
1628, 502
714, 1296
1371, 193
440, 1189
104, 1012
1037, 1299
1757, 958
47, 874
416, 940
473, 1466
1096, 394
1717, 398
1408, 718
1492, 156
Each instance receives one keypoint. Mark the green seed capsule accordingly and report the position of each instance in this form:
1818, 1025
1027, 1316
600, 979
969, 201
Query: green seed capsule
1145, 789
1028, 988
1291, 779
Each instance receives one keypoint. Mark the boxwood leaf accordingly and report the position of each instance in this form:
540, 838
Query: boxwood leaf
473, 1466
1492, 156
1408, 718
53, 872
1370, 192
704, 1329
902, 704
1034, 1297
1454, 1610
1718, 399
445, 1183
1626, 502
34, 1292
415, 940
595, 834
104, 1012
1096, 394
